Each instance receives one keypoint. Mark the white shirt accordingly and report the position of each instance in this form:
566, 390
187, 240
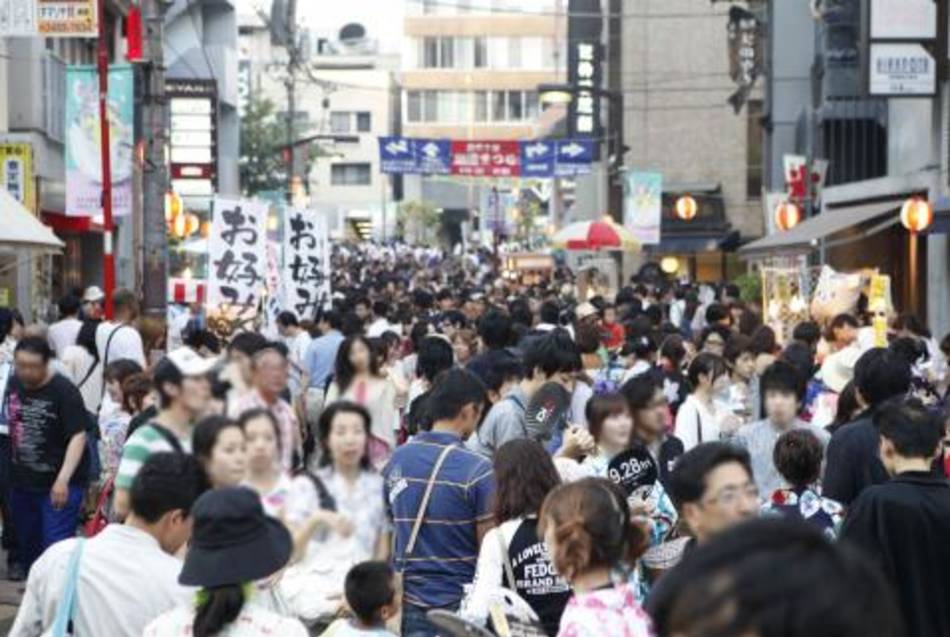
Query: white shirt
125, 345
297, 346
695, 418
380, 326
77, 366
253, 621
62, 334
125, 581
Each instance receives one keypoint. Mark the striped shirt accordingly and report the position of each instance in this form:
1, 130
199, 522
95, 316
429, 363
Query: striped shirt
446, 551
145, 441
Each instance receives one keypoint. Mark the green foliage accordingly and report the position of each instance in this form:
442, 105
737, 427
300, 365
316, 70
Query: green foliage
417, 222
750, 287
262, 164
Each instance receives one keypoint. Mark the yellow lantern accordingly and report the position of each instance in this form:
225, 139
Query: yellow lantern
686, 207
172, 206
670, 265
787, 215
917, 214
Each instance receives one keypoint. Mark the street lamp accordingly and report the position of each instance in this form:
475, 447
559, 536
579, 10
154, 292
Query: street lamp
916, 215
686, 207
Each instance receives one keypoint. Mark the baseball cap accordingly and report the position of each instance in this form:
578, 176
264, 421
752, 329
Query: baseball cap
188, 362
93, 294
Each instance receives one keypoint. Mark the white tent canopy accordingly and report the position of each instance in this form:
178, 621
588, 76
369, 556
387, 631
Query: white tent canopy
20, 229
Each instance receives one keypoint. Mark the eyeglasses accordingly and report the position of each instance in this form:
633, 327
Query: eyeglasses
730, 496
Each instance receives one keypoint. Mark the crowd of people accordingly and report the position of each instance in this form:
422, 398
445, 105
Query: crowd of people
442, 438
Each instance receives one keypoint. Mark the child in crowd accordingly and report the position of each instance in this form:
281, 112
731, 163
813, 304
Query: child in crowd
587, 528
372, 598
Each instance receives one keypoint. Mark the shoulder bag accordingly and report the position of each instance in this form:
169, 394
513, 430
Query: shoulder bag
67, 606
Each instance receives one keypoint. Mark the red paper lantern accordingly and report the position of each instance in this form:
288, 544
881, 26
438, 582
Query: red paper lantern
787, 215
686, 207
917, 214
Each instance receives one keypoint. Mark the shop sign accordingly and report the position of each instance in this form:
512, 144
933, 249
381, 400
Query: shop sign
901, 69
16, 172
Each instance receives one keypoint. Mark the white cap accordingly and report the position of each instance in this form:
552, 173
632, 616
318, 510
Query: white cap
584, 310
93, 294
189, 362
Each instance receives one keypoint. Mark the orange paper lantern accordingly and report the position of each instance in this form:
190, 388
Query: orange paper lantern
686, 207
787, 215
916, 214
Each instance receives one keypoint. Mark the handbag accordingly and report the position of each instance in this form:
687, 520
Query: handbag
67, 606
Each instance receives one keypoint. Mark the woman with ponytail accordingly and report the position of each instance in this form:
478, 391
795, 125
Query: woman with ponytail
587, 528
233, 545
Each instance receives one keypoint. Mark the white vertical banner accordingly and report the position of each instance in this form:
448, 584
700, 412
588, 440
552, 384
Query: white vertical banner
237, 256
642, 204
306, 272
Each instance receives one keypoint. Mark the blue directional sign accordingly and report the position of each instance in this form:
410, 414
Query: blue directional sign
537, 158
433, 156
396, 155
574, 157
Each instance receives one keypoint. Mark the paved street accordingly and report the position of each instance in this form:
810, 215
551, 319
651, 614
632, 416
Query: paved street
10, 595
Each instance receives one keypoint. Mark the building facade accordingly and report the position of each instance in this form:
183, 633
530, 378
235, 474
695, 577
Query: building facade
675, 78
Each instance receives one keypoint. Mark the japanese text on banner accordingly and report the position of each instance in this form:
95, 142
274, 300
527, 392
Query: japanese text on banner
306, 273
237, 256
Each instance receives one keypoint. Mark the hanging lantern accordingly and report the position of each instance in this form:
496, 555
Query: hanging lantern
686, 207
172, 206
917, 214
787, 215
670, 265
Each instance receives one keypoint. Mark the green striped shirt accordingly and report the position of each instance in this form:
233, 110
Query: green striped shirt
143, 443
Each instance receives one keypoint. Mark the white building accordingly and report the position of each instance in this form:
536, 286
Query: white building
346, 97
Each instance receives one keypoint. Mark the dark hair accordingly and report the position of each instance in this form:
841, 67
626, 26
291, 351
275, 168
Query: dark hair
451, 392
879, 375
248, 343
914, 431
444, 295
494, 328
350, 324
705, 364
222, 606
166, 373
35, 345
716, 312
520, 311
913, 324
799, 355
736, 346
206, 433
134, 390
197, 339
797, 456
674, 350
369, 587
839, 321
166, 482
600, 407
550, 312
848, 407
749, 322
69, 305
333, 318
781, 377
344, 371
551, 353
325, 427
909, 349
86, 338
760, 574
640, 345
524, 475
364, 301
687, 481
807, 332
590, 521
380, 308
496, 367
435, 356
639, 391
721, 331
588, 339
287, 319
253, 414
125, 300
763, 340
120, 370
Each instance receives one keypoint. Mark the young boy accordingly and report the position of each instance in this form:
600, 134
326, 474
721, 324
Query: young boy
370, 590
740, 395
783, 391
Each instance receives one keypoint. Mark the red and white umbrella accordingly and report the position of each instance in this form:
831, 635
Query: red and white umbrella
595, 235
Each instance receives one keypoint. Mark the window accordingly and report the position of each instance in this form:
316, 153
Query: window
481, 106
414, 106
340, 122
430, 53
754, 149
515, 105
350, 174
446, 53
481, 52
514, 53
430, 106
531, 105
363, 122
464, 53
498, 106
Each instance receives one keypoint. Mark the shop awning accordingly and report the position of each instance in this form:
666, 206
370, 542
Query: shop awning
20, 229
804, 237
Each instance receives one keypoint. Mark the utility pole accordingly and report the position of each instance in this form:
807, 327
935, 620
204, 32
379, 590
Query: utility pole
155, 123
292, 62
108, 259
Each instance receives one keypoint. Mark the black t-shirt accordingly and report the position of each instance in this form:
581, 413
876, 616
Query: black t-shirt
537, 580
42, 422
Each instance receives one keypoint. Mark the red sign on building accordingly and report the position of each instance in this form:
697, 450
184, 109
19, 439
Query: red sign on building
486, 158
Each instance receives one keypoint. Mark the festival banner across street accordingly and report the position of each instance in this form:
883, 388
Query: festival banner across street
306, 271
237, 255
488, 158
83, 157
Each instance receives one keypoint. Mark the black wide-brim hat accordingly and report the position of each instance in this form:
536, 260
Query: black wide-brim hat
233, 541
